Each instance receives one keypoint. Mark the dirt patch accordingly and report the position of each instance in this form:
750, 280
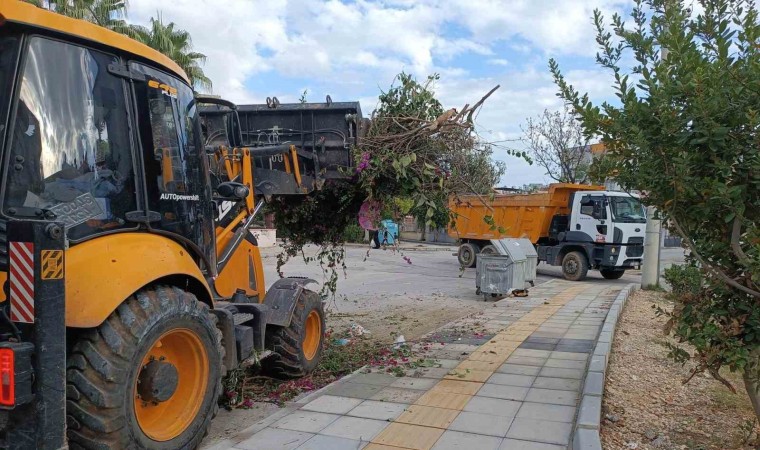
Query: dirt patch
646, 406
388, 316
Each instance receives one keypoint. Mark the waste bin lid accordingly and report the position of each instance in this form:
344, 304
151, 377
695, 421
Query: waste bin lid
506, 247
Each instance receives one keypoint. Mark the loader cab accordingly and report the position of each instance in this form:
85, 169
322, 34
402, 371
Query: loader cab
100, 140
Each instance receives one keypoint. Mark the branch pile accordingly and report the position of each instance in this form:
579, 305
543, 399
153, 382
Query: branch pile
413, 149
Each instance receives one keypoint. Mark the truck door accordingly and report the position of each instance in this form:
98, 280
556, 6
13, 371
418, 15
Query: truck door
590, 219
175, 167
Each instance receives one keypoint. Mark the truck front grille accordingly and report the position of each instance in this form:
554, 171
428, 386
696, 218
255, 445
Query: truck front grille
637, 249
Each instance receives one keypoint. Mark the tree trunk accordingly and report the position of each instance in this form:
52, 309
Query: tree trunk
752, 380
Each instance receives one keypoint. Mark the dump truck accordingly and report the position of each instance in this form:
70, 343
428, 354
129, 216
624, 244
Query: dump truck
578, 227
131, 281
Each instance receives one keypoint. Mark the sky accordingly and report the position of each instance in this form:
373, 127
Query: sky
351, 49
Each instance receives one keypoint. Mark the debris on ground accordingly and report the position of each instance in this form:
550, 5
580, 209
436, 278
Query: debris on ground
343, 354
646, 406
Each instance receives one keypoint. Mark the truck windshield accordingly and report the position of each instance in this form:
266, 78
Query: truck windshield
70, 153
627, 210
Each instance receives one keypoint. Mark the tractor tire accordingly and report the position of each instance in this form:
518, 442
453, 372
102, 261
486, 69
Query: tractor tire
574, 266
297, 347
467, 255
147, 378
611, 274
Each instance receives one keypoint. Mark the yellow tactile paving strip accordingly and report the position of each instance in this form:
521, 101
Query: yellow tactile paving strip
423, 423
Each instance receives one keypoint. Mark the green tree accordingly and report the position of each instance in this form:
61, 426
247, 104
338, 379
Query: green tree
686, 131
166, 38
177, 45
106, 13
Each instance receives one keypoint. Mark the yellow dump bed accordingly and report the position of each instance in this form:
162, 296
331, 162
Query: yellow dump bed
520, 215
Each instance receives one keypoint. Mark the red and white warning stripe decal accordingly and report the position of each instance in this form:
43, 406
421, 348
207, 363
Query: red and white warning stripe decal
22, 281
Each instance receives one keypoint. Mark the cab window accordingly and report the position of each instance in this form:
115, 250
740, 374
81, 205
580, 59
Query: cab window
70, 152
176, 174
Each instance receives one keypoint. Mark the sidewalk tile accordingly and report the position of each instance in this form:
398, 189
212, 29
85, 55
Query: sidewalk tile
513, 444
561, 384
503, 392
409, 436
414, 383
565, 364
477, 365
455, 440
274, 438
354, 390
428, 416
373, 446
382, 379
320, 442
494, 406
468, 375
551, 396
398, 395
355, 428
511, 379
517, 369
444, 400
541, 411
434, 372
569, 355
373, 409
458, 387
332, 404
308, 421
471, 422
540, 431
526, 361
554, 372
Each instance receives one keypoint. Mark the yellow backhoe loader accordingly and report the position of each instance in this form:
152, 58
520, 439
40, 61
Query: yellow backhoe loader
131, 281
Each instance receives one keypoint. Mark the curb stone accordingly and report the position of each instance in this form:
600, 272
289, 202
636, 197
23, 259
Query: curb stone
587, 422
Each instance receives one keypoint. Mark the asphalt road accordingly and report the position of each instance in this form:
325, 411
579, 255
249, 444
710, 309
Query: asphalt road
433, 269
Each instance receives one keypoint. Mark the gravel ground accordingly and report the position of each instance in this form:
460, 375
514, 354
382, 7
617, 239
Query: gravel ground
646, 406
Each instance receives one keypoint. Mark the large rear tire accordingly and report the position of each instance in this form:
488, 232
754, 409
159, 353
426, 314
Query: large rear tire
612, 274
149, 377
298, 347
467, 255
574, 266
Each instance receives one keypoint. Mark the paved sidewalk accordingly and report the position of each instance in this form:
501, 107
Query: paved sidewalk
515, 387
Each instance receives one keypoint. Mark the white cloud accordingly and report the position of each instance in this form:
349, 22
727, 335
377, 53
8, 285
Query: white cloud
349, 49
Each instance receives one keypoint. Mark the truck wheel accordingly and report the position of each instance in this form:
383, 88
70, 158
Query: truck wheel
298, 347
149, 377
489, 250
467, 254
611, 274
574, 266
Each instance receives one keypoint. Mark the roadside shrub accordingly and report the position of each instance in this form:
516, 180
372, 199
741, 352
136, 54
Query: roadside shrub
685, 280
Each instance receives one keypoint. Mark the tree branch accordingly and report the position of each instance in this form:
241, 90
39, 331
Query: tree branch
709, 267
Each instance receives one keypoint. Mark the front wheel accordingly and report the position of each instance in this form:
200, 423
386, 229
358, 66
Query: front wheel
611, 274
298, 347
574, 266
148, 377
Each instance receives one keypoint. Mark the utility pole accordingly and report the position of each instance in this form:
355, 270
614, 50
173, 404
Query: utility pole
650, 267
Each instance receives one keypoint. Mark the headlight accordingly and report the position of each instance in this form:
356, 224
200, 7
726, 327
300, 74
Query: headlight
614, 250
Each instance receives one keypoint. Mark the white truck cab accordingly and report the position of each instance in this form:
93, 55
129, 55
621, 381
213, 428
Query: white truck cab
604, 231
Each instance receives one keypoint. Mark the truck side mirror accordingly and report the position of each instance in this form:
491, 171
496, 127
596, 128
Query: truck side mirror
599, 211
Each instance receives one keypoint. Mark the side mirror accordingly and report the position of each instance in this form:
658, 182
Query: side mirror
599, 211
232, 190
